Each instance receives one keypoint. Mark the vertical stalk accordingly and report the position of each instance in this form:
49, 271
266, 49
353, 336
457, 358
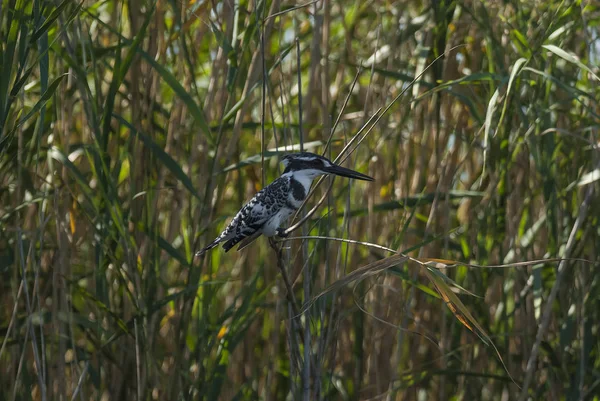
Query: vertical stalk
306, 270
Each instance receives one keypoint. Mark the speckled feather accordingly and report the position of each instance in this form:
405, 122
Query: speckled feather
260, 214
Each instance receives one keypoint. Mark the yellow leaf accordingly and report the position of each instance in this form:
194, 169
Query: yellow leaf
222, 332
385, 190
72, 222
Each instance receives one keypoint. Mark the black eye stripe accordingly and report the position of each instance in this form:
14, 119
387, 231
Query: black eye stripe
316, 163
303, 161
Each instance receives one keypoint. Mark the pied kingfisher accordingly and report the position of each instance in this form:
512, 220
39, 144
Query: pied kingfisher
276, 202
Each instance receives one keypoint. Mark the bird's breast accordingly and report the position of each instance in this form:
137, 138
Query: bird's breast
278, 220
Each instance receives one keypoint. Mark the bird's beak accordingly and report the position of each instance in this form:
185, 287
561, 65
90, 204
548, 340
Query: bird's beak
346, 172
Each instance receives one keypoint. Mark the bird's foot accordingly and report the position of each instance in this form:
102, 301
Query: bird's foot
281, 232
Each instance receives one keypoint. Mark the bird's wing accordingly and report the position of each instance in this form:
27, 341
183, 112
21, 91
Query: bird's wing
254, 214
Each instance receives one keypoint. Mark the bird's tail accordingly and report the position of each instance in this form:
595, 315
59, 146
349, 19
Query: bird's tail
208, 247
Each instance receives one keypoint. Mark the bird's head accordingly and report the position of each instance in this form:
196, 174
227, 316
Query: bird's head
312, 165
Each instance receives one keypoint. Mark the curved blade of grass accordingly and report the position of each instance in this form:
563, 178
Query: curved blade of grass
521, 42
173, 82
236, 107
571, 58
23, 205
492, 104
58, 155
119, 72
436, 264
437, 278
589, 178
164, 244
576, 93
359, 274
44, 64
7, 55
407, 279
51, 19
163, 156
461, 312
476, 78
18, 85
43, 100
440, 264
455, 305
517, 66
464, 99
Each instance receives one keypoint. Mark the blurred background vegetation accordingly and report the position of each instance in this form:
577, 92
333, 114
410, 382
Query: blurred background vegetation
130, 131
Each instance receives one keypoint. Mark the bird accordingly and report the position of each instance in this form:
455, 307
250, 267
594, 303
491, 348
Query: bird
274, 204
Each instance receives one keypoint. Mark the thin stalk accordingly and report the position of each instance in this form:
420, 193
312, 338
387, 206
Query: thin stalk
307, 334
561, 274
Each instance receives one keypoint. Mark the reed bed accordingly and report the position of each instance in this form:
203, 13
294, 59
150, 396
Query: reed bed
131, 131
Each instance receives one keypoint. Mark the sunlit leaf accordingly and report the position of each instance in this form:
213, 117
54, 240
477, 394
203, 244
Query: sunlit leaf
570, 57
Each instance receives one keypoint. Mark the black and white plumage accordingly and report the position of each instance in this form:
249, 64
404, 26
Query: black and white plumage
274, 204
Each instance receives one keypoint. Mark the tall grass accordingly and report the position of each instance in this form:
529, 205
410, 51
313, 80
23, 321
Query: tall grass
131, 131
